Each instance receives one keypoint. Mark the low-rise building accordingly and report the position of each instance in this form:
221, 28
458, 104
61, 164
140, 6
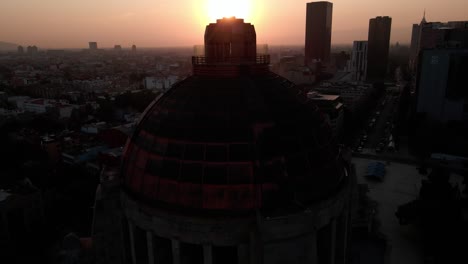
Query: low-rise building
332, 107
40, 106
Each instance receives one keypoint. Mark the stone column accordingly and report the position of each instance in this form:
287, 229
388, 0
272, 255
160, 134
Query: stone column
5, 225
333, 241
131, 228
312, 256
175, 251
242, 254
149, 243
256, 248
207, 254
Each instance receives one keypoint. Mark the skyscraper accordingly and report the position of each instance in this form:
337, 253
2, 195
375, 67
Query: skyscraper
415, 37
441, 89
318, 31
378, 47
430, 35
93, 46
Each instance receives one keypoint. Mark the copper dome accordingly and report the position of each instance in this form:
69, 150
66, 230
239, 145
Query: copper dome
238, 142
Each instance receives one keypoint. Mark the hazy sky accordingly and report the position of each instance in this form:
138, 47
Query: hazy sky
156, 23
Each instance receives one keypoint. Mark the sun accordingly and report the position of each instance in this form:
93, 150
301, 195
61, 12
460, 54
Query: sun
228, 8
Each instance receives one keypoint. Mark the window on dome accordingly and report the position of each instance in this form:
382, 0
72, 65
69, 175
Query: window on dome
215, 175
216, 153
239, 152
240, 174
191, 172
194, 152
174, 150
159, 147
170, 169
273, 172
154, 167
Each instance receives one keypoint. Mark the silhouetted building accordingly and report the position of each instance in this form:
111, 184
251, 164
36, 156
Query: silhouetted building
20, 50
332, 107
430, 35
31, 50
359, 60
134, 48
378, 48
415, 37
318, 32
21, 218
118, 48
442, 93
231, 165
93, 45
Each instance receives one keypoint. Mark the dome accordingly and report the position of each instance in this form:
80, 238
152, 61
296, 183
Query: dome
232, 137
238, 143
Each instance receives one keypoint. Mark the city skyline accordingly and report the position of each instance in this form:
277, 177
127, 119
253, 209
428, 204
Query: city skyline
58, 24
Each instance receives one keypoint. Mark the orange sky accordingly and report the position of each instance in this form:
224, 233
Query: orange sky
156, 23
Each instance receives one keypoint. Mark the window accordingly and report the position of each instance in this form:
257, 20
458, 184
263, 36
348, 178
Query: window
159, 147
154, 167
239, 152
194, 152
162, 248
216, 153
215, 175
324, 244
239, 174
174, 150
170, 169
191, 172
191, 253
225, 255
141, 245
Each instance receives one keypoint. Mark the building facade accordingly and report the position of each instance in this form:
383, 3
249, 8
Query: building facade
318, 32
93, 45
359, 61
441, 91
430, 35
378, 48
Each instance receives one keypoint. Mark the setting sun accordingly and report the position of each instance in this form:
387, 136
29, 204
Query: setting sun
227, 8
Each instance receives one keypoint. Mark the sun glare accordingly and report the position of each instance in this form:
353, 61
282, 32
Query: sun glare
228, 8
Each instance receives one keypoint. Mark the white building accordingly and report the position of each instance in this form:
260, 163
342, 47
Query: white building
18, 101
40, 106
160, 83
359, 60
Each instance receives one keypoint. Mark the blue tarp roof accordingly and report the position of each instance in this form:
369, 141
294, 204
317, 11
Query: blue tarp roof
376, 169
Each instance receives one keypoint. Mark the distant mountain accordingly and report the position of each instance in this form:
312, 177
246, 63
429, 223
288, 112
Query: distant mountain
6, 46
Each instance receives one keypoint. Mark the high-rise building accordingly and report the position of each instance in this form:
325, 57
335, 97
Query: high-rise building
20, 50
134, 48
93, 45
441, 93
378, 48
318, 32
415, 37
359, 61
231, 165
117, 47
32, 50
430, 35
